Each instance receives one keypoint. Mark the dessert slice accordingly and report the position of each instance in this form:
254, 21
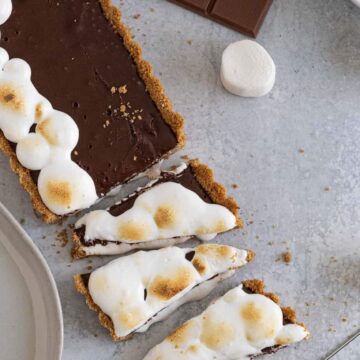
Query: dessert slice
133, 292
181, 204
120, 123
243, 324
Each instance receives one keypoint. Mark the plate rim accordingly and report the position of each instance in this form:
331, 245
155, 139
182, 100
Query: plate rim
41, 285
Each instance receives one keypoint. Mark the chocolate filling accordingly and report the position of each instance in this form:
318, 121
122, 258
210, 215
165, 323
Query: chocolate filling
186, 178
79, 63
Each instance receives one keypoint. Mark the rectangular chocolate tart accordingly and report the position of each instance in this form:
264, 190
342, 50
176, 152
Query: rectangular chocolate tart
245, 323
195, 176
84, 61
245, 16
133, 292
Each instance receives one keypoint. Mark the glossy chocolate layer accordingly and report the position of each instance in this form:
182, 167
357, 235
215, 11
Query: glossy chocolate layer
186, 178
245, 16
79, 63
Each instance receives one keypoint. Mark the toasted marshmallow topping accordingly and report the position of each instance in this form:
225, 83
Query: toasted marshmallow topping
63, 186
235, 327
133, 289
5, 10
164, 211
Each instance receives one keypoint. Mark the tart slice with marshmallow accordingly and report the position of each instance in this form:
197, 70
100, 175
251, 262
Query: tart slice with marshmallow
243, 324
133, 292
181, 204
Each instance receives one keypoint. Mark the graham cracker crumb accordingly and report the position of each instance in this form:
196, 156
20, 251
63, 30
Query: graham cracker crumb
113, 89
136, 16
327, 188
301, 151
234, 186
123, 89
62, 238
122, 108
286, 257
184, 157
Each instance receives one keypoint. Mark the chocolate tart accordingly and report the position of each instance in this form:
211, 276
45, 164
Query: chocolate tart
94, 72
209, 263
195, 176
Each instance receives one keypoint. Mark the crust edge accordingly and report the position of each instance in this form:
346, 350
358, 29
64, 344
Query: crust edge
217, 192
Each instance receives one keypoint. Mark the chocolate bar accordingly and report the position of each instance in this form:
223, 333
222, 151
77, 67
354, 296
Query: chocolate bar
85, 64
245, 16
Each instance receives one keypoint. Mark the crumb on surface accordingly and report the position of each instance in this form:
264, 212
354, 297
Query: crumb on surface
62, 238
189, 42
234, 186
327, 188
271, 243
301, 151
184, 157
286, 257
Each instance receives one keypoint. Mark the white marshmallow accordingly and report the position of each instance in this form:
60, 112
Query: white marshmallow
164, 211
33, 151
237, 326
356, 2
247, 69
64, 189
5, 10
167, 278
60, 130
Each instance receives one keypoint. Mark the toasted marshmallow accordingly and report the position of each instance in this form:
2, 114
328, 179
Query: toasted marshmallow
164, 211
247, 69
138, 290
237, 326
64, 189
5, 10
33, 151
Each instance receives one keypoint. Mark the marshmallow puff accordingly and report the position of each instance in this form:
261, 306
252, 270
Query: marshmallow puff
64, 187
247, 69
5, 10
135, 291
238, 326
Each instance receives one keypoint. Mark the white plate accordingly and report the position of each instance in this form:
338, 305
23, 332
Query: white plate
31, 325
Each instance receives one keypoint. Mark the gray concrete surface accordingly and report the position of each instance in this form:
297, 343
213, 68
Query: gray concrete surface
305, 201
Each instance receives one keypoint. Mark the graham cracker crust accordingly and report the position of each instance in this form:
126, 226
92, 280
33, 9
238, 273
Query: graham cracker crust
154, 88
205, 176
